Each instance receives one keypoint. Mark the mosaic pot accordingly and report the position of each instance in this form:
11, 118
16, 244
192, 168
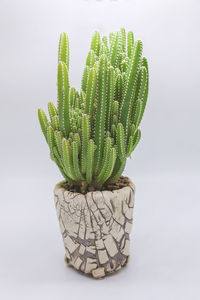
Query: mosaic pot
95, 228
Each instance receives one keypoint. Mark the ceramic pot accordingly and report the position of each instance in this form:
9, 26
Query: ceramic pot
95, 228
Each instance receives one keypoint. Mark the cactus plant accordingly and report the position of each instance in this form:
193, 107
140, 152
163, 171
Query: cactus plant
91, 133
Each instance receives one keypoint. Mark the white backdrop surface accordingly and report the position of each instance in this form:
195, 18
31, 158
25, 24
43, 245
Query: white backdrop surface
165, 166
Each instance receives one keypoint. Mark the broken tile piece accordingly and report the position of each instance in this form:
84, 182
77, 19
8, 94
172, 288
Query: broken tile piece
71, 246
126, 248
110, 245
77, 263
128, 227
99, 244
82, 249
98, 273
91, 264
103, 256
91, 249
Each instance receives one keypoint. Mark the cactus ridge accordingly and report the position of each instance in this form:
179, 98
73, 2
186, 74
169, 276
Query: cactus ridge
91, 132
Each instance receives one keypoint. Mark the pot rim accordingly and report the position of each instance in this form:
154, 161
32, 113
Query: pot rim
130, 185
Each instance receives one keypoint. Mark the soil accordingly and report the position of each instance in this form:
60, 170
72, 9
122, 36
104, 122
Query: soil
122, 182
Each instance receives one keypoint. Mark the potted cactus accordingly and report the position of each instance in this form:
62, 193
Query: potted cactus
90, 135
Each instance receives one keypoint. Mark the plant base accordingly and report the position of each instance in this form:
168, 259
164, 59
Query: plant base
95, 228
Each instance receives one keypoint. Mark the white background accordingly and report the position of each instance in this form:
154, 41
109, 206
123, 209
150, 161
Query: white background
165, 167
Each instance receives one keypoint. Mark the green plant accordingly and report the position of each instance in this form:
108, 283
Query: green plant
92, 132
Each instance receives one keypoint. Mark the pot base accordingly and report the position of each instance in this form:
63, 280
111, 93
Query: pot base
98, 273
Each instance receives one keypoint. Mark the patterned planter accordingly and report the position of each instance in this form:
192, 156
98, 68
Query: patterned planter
95, 228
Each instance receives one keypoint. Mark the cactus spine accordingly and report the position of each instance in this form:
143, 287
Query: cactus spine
92, 132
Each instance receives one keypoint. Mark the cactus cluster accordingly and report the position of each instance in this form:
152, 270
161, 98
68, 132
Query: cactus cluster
92, 132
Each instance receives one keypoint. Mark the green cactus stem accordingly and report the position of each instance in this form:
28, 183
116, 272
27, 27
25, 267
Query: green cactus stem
93, 131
